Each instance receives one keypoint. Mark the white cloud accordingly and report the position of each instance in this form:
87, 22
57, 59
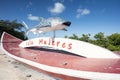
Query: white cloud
81, 12
34, 18
58, 8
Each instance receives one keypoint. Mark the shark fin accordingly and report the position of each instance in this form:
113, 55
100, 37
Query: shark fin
64, 29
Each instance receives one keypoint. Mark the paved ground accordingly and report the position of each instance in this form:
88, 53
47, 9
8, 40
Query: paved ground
11, 69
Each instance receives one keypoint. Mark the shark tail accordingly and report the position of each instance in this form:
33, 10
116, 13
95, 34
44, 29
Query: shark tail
25, 25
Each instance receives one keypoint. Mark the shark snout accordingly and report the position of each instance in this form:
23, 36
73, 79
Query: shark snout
67, 23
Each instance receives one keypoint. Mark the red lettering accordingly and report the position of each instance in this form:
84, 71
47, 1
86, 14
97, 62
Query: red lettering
58, 43
45, 42
53, 43
40, 41
29, 43
63, 45
70, 46
26, 43
49, 41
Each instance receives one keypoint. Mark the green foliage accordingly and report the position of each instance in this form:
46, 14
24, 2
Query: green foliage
101, 40
111, 42
14, 28
85, 37
113, 47
74, 36
114, 39
99, 36
114, 42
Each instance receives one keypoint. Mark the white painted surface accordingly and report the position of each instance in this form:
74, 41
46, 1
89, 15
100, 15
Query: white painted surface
77, 47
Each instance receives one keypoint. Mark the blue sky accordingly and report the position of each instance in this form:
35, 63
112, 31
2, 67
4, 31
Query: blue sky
87, 16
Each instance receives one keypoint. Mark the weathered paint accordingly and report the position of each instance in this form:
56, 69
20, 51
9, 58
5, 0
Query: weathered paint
57, 63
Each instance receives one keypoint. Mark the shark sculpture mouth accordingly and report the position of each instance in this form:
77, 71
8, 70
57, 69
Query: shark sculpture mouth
67, 23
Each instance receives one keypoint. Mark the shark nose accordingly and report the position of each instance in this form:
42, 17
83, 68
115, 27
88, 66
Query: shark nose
68, 23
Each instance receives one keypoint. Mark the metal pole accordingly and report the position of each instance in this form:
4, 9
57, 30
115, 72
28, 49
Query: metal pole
54, 35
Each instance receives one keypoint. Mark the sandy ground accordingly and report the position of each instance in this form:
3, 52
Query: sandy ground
11, 69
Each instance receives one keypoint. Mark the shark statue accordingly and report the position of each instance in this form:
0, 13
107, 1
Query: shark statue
47, 25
